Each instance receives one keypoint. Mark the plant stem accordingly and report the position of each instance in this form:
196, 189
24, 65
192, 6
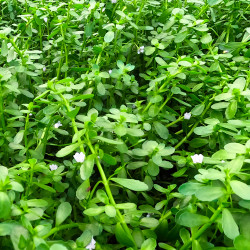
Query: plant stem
195, 125
109, 193
202, 229
174, 122
73, 123
59, 228
1, 108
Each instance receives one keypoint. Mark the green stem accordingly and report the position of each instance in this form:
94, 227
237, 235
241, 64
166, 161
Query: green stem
195, 125
202, 229
17, 50
59, 228
1, 108
93, 190
174, 122
73, 123
109, 193
166, 101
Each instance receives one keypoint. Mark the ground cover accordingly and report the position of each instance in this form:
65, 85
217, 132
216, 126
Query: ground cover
124, 124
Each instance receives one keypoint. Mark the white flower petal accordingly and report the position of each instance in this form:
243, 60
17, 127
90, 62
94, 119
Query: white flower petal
187, 116
53, 167
91, 245
79, 157
58, 124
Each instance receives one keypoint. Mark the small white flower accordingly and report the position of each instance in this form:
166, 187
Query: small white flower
45, 19
79, 157
140, 50
187, 116
222, 161
110, 71
149, 215
91, 245
58, 124
197, 158
113, 1
30, 114
225, 51
44, 69
53, 167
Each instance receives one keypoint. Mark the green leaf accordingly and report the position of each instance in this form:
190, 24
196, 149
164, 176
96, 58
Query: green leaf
109, 36
88, 29
94, 211
161, 130
160, 61
131, 184
198, 142
109, 159
86, 168
149, 222
242, 243
149, 50
4, 48
149, 244
209, 193
180, 37
73, 113
198, 109
126, 206
135, 132
213, 2
102, 196
166, 246
101, 88
67, 150
189, 188
57, 247
63, 212
37, 203
231, 109
109, 141
45, 187
122, 237
83, 191
207, 38
104, 74
110, 210
6, 228
5, 205
235, 165
188, 219
235, 148
3, 173
241, 189
51, 109
82, 97
16, 186
229, 226
19, 137
185, 235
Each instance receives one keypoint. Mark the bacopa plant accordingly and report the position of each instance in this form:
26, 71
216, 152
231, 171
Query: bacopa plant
124, 124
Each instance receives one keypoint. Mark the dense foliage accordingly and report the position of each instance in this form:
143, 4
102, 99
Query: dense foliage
124, 124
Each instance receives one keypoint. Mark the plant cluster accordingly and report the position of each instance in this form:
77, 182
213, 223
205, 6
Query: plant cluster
124, 124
